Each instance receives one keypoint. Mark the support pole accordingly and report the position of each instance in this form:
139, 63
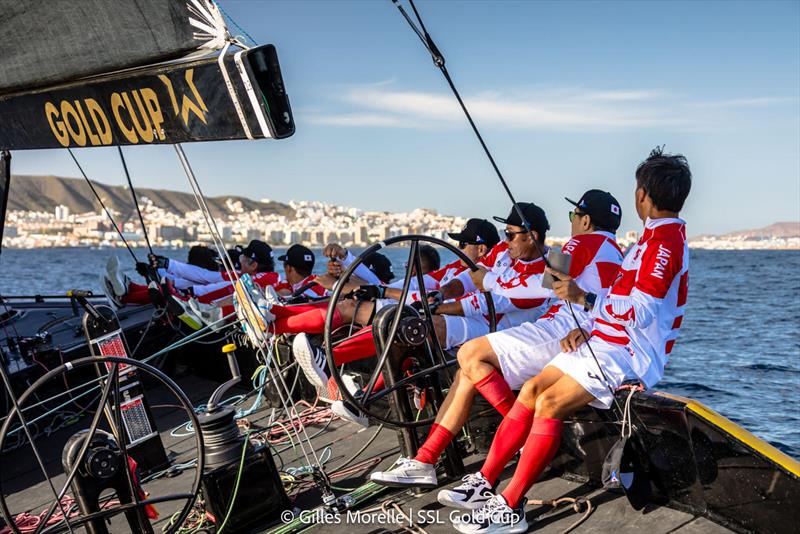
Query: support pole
5, 187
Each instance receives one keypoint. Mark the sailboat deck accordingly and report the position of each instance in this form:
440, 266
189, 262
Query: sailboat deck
27, 490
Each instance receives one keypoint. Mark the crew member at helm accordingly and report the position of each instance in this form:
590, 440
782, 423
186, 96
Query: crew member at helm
498, 363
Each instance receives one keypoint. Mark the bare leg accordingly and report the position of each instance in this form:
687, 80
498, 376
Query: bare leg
455, 409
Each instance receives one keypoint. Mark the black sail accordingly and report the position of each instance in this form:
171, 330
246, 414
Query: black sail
45, 42
80, 73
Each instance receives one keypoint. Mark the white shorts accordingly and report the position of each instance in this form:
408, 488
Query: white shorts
380, 303
461, 329
615, 361
523, 351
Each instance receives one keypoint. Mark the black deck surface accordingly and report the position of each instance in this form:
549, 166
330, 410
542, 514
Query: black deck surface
27, 490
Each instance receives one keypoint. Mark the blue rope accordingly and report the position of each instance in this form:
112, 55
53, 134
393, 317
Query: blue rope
244, 32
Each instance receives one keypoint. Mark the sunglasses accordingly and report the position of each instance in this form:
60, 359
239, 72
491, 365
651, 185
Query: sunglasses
574, 214
510, 235
464, 244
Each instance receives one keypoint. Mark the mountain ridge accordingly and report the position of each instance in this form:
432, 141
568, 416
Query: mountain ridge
44, 193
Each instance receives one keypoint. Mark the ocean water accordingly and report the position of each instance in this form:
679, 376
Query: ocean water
738, 351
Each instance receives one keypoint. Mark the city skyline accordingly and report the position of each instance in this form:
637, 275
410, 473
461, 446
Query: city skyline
569, 96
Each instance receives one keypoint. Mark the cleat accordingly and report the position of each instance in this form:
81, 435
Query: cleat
495, 517
406, 472
115, 278
473, 494
348, 412
312, 361
108, 291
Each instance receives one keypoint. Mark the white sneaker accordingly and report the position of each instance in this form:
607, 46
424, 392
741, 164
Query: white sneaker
187, 316
108, 291
208, 313
312, 361
471, 495
118, 284
272, 297
495, 517
348, 412
406, 472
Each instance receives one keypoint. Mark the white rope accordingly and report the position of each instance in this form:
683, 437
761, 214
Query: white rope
206, 17
261, 336
627, 422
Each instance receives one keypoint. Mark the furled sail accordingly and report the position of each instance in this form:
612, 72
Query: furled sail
126, 72
44, 43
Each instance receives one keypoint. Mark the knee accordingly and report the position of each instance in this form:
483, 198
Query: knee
547, 405
530, 392
468, 355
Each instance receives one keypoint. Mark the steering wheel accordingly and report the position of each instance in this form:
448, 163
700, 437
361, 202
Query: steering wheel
82, 458
399, 328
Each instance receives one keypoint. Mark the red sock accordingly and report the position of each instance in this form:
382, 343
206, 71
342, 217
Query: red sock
357, 347
494, 389
310, 322
437, 441
541, 446
380, 383
509, 438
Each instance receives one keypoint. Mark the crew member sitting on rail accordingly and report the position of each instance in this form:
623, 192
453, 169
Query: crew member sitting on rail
498, 363
298, 264
190, 280
634, 330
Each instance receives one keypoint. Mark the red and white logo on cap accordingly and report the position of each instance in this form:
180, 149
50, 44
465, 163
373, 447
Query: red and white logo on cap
614, 209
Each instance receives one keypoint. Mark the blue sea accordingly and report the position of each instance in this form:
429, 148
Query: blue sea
738, 352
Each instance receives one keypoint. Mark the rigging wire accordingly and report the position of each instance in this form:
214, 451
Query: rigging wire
262, 337
102, 204
135, 201
439, 61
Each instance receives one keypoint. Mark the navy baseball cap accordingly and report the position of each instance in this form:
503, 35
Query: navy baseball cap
602, 207
380, 265
477, 232
259, 252
533, 214
299, 257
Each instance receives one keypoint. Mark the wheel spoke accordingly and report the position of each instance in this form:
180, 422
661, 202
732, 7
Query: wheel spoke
81, 454
387, 343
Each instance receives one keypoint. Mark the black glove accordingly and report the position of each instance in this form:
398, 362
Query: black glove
158, 262
434, 300
369, 292
142, 268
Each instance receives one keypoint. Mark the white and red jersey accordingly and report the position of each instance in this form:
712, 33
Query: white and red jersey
210, 293
315, 291
516, 286
596, 259
433, 280
645, 305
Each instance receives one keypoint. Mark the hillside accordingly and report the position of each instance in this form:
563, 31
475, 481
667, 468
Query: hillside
44, 193
786, 229
779, 229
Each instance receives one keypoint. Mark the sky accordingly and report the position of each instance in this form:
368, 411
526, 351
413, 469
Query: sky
568, 95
